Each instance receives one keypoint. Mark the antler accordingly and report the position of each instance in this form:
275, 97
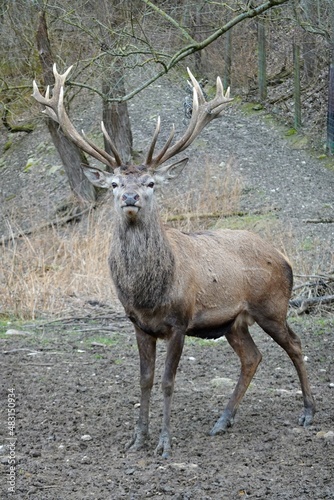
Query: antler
202, 114
54, 108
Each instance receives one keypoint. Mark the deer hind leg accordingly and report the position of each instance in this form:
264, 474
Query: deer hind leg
240, 340
290, 342
147, 354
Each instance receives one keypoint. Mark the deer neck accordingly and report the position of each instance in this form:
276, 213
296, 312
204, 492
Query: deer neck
142, 263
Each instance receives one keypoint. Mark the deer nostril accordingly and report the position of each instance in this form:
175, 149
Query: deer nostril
130, 198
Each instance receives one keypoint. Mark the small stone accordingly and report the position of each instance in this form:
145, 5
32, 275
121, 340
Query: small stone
183, 466
86, 437
17, 332
297, 430
129, 472
222, 381
326, 435
35, 453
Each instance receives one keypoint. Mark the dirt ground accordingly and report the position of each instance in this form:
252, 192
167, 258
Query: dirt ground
75, 381
77, 391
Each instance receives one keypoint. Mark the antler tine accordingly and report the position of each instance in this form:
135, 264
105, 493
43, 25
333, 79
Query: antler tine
61, 79
196, 86
153, 143
56, 110
221, 98
203, 112
118, 159
166, 146
101, 151
151, 162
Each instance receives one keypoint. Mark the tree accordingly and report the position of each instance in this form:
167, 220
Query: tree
71, 156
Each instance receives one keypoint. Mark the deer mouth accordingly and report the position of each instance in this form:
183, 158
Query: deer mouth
130, 210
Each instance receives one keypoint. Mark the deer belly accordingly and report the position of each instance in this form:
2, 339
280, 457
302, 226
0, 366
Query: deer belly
210, 331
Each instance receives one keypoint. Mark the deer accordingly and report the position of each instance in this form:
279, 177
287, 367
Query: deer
205, 284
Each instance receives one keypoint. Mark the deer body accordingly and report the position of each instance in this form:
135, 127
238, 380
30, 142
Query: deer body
172, 284
201, 281
204, 284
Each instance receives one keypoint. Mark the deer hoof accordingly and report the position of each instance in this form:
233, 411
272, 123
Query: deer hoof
164, 447
222, 424
137, 442
306, 418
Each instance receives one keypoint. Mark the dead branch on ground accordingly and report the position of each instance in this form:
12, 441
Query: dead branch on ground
317, 293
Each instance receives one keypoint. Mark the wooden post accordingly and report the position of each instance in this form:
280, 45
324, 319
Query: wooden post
296, 64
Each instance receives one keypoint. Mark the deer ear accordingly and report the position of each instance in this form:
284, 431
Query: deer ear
171, 171
98, 177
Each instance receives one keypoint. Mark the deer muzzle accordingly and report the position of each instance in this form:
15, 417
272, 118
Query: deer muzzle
130, 203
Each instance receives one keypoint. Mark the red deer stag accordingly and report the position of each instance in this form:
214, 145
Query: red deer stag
171, 284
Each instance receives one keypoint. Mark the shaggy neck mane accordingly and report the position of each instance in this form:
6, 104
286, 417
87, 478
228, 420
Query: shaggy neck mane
141, 262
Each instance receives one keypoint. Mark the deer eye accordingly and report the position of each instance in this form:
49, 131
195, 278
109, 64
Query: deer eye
150, 185
114, 185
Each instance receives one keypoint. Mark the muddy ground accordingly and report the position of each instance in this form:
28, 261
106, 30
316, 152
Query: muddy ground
76, 381
77, 391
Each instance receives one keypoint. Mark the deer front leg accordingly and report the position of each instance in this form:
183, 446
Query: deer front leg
147, 353
174, 351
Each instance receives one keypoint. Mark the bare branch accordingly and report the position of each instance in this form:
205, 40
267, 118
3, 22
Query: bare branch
164, 14
305, 23
194, 46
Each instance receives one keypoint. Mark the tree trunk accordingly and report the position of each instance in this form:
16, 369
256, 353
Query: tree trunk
262, 63
297, 91
71, 156
228, 59
115, 115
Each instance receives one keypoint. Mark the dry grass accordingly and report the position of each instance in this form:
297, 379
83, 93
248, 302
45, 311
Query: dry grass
55, 272
200, 204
